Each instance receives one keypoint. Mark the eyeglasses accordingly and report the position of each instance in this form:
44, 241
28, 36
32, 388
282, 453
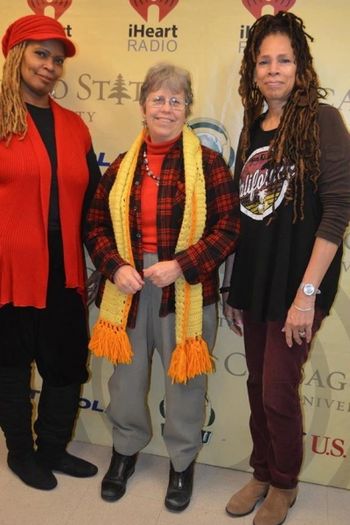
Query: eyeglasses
174, 102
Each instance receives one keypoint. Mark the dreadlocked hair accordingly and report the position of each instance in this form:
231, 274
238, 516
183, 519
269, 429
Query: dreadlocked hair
13, 112
297, 138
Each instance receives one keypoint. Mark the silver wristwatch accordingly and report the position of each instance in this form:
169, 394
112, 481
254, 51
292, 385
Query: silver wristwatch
309, 289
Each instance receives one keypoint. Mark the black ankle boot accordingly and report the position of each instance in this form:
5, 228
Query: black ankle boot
120, 469
179, 491
31, 472
69, 464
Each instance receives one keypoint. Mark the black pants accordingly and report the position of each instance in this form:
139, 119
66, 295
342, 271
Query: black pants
55, 337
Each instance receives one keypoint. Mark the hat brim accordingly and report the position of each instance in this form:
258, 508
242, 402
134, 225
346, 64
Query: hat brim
69, 47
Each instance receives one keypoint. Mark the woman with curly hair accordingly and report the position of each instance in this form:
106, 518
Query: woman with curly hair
293, 173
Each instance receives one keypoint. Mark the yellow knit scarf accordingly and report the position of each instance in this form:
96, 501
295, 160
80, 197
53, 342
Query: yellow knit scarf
109, 338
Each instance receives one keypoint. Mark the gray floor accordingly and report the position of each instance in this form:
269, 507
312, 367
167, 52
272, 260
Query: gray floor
76, 502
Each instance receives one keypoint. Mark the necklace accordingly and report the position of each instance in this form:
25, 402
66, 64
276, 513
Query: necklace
149, 172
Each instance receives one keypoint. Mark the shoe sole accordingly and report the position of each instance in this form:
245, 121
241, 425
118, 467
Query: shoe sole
176, 509
236, 515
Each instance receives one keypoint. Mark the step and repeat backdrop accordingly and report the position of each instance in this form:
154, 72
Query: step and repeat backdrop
117, 40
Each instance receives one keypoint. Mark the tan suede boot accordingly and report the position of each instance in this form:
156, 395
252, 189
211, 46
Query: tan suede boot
243, 502
275, 508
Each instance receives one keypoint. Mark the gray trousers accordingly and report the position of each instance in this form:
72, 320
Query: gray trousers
129, 384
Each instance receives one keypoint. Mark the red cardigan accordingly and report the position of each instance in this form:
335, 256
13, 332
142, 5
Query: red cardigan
25, 178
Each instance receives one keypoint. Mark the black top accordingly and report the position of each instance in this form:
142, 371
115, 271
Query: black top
273, 252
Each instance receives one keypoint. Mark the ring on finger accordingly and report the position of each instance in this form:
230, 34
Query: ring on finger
302, 333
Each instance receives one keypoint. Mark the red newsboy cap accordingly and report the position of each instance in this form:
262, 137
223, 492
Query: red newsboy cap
35, 27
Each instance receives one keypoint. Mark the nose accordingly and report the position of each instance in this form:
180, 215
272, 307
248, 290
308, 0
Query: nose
166, 106
274, 67
50, 64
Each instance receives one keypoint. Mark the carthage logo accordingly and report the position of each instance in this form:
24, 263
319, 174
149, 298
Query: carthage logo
164, 7
256, 6
59, 6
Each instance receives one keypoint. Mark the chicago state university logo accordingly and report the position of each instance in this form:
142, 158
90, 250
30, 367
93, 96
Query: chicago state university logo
59, 6
256, 6
164, 6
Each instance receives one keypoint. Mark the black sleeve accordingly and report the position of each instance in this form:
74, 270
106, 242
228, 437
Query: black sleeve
94, 178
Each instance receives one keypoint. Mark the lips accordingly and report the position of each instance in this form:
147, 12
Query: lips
165, 120
45, 79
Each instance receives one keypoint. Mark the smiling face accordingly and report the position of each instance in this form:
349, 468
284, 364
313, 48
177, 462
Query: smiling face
41, 67
275, 69
164, 121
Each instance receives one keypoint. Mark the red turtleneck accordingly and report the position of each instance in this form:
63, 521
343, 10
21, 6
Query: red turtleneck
149, 192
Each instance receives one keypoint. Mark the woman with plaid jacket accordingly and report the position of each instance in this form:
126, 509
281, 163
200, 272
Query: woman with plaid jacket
164, 218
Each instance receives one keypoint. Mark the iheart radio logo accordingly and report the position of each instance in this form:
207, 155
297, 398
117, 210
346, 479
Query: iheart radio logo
164, 6
256, 6
59, 6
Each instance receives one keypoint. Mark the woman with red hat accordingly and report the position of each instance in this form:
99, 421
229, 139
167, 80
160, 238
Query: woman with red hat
48, 172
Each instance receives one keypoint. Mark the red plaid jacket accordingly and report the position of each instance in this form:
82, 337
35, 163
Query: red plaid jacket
200, 262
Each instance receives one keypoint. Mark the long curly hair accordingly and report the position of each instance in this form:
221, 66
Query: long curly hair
13, 110
297, 137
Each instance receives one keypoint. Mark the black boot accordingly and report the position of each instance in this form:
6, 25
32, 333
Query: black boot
57, 410
120, 469
179, 491
29, 470
16, 422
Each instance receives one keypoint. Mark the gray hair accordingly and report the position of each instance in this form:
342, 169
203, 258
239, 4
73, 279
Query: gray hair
167, 75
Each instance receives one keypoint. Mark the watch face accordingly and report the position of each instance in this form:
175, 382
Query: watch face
309, 289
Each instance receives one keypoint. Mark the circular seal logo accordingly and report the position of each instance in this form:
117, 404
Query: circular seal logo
214, 135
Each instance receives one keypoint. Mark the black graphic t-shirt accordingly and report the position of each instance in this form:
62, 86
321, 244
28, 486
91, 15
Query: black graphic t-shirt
273, 253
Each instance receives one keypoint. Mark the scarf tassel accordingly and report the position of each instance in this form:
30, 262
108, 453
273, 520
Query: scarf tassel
190, 359
111, 341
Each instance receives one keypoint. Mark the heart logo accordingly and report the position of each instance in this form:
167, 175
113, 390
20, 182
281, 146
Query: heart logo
256, 6
165, 6
59, 6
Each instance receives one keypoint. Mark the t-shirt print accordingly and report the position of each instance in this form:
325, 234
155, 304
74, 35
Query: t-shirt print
262, 189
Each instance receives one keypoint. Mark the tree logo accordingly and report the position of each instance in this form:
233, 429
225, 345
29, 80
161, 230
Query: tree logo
119, 91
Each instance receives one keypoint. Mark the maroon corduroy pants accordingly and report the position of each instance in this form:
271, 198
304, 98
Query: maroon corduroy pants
275, 373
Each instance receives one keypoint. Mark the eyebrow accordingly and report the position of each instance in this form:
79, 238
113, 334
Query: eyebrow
278, 56
41, 46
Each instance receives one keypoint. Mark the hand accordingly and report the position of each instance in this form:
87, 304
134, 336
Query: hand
128, 280
233, 316
298, 325
163, 273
